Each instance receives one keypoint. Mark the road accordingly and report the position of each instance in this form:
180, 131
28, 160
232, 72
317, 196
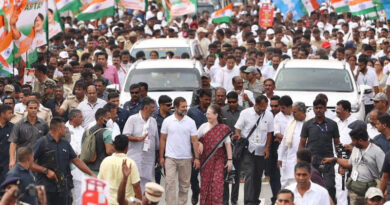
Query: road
265, 195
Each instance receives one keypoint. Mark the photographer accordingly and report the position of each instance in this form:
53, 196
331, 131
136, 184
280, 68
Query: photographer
12, 192
366, 163
53, 155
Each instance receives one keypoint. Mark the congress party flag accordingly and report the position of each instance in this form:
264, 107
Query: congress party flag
179, 8
296, 7
341, 6
6, 46
223, 15
66, 5
141, 5
311, 5
363, 7
97, 9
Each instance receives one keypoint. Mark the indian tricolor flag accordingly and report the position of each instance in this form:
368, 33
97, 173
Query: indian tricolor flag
341, 6
310, 5
363, 7
223, 15
65, 5
97, 9
6, 55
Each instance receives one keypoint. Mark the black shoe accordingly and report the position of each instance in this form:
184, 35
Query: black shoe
194, 201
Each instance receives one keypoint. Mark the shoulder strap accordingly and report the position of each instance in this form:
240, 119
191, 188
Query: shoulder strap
255, 126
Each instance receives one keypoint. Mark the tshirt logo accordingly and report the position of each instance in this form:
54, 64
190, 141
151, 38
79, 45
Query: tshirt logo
64, 150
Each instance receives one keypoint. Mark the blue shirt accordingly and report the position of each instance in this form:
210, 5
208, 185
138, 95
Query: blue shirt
5, 133
382, 142
64, 154
197, 115
132, 107
159, 119
122, 118
26, 178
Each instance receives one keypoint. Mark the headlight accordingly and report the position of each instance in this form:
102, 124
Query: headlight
355, 108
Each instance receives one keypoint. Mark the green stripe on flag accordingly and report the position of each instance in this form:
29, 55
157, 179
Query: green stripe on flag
365, 11
342, 9
223, 19
4, 72
96, 15
73, 6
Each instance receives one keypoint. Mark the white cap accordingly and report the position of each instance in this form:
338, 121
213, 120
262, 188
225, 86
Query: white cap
109, 21
340, 21
338, 27
64, 54
157, 27
149, 15
363, 29
174, 29
270, 31
354, 25
373, 192
255, 28
341, 31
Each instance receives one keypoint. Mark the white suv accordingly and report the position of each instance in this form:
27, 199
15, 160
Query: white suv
302, 80
175, 77
162, 45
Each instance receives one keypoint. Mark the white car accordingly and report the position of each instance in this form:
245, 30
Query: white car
162, 45
303, 80
175, 77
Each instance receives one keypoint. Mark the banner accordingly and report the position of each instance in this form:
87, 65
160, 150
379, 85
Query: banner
53, 19
141, 5
296, 7
386, 5
179, 8
266, 15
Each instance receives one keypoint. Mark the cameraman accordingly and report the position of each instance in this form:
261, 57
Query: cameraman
22, 170
366, 163
13, 193
53, 173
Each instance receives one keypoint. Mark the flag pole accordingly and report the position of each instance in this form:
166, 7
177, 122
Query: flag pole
47, 32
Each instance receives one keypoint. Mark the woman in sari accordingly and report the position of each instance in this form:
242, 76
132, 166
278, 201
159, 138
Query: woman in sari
212, 135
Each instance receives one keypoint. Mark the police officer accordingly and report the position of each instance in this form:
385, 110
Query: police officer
72, 101
52, 173
43, 112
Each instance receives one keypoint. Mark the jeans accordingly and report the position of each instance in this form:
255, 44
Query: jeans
328, 174
252, 167
273, 171
235, 186
55, 198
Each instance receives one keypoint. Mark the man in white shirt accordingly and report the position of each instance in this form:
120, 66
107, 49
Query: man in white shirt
283, 117
287, 151
89, 106
178, 131
371, 126
222, 57
203, 40
256, 123
225, 75
344, 119
76, 135
260, 62
305, 191
270, 71
365, 76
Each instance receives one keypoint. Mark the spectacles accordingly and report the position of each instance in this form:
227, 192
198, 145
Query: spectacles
134, 92
168, 104
274, 105
232, 102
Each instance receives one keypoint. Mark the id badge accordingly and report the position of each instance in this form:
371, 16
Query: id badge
354, 175
257, 139
146, 145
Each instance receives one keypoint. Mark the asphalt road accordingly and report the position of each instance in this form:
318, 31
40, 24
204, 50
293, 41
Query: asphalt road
265, 195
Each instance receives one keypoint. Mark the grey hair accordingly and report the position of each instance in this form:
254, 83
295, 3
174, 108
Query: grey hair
220, 88
73, 113
300, 105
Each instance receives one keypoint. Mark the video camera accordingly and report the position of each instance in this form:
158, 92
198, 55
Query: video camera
30, 190
342, 151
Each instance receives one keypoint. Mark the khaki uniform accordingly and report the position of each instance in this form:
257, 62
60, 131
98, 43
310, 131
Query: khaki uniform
76, 77
43, 113
67, 92
17, 116
70, 103
40, 87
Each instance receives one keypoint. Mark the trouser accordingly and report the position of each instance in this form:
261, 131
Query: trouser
55, 198
235, 186
252, 167
157, 174
355, 199
76, 192
195, 185
177, 169
341, 195
272, 170
328, 174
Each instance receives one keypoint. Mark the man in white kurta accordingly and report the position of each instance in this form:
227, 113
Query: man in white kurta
343, 120
142, 132
287, 151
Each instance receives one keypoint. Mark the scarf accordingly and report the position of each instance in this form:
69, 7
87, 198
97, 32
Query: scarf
290, 132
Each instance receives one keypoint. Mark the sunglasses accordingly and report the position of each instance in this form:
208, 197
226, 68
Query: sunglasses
168, 104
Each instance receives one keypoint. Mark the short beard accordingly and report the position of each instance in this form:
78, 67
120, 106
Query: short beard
182, 114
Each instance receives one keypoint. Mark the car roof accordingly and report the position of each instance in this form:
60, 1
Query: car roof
167, 63
313, 63
163, 42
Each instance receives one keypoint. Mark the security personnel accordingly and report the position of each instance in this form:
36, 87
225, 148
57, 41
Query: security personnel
72, 101
53, 173
43, 112
48, 94
5, 133
41, 78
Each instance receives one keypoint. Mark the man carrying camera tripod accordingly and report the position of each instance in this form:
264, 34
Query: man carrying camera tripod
366, 163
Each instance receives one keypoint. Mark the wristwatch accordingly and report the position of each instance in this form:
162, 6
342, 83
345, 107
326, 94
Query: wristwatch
46, 171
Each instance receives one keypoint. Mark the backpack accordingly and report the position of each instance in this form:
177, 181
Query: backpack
88, 146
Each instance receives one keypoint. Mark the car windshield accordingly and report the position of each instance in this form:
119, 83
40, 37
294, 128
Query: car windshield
313, 79
177, 51
170, 79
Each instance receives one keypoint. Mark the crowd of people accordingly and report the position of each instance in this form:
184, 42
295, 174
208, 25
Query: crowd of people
67, 123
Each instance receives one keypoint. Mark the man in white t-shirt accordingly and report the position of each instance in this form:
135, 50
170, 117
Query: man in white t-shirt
178, 131
365, 76
225, 75
270, 71
217, 67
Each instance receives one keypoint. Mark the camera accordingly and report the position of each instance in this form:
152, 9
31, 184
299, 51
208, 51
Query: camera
342, 152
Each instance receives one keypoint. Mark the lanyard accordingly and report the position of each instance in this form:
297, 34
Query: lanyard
322, 129
362, 154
